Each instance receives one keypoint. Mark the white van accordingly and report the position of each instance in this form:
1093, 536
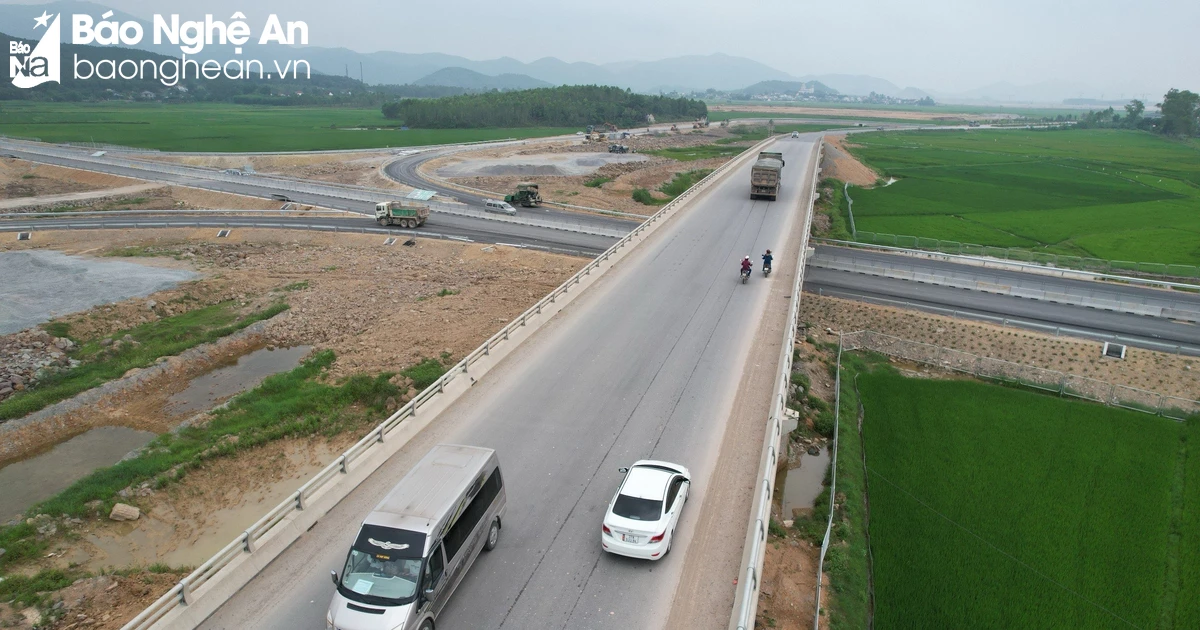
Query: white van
415, 547
495, 205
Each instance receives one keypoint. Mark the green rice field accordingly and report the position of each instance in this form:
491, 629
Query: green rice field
221, 127
1099, 193
994, 507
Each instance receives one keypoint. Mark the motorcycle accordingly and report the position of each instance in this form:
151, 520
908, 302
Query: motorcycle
745, 275
766, 271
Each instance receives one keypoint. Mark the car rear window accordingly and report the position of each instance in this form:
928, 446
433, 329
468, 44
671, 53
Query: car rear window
637, 509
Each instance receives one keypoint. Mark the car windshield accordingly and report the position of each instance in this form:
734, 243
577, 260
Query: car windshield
375, 579
637, 509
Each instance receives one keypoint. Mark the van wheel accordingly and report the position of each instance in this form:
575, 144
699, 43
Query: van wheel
493, 535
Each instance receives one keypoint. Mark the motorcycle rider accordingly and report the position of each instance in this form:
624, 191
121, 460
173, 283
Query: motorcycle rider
767, 258
746, 265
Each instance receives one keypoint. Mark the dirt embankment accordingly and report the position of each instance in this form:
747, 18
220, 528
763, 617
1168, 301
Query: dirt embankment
360, 169
1170, 374
839, 163
41, 185
615, 193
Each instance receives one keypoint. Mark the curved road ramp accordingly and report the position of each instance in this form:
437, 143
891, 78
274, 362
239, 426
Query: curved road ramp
654, 350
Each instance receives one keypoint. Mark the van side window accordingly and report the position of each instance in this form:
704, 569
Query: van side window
461, 530
433, 571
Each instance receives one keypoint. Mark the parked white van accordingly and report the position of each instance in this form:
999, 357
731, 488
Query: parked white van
415, 547
495, 205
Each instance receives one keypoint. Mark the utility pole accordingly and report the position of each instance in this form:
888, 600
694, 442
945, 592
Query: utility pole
360, 74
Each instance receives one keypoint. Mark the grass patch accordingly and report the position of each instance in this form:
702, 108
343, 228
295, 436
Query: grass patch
100, 364
295, 286
1100, 193
643, 196
834, 205
683, 181
58, 329
136, 251
995, 507
597, 182
36, 590
227, 127
424, 374
291, 404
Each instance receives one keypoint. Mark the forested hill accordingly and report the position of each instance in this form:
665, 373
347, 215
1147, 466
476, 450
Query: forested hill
567, 106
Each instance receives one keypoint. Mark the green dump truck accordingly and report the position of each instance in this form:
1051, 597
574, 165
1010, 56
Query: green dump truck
765, 176
527, 196
407, 215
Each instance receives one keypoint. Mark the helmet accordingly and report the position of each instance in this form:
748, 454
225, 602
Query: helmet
746, 258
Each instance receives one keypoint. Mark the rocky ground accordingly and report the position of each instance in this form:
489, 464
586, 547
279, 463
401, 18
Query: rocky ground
26, 356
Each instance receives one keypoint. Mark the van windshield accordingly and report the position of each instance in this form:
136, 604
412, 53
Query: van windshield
383, 567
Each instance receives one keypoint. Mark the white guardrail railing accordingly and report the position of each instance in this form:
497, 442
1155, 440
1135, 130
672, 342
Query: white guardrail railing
338, 191
745, 603
185, 593
1100, 299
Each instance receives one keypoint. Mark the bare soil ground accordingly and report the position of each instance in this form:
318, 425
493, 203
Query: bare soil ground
835, 111
839, 163
612, 195
377, 307
19, 178
1170, 374
360, 169
103, 602
789, 583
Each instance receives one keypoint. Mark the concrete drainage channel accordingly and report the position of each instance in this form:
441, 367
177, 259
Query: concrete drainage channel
198, 595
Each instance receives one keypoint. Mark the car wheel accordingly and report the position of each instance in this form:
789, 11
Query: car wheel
493, 535
426, 625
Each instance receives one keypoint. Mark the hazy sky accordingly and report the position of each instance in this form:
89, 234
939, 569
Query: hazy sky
1120, 47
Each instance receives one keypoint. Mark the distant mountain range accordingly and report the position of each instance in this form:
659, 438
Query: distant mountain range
478, 82
684, 74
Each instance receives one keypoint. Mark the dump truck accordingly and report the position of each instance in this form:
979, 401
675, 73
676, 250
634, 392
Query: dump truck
527, 196
404, 214
618, 148
765, 176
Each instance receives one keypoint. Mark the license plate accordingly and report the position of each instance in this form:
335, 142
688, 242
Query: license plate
630, 539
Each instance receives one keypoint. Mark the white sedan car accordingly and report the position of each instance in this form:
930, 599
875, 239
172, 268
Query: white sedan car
642, 515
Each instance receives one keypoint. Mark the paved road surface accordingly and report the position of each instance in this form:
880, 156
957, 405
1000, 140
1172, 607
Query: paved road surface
1140, 330
646, 364
261, 187
438, 226
1088, 289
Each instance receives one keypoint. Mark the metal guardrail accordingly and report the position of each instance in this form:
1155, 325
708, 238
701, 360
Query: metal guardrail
1160, 308
337, 191
745, 603
1018, 254
182, 593
1014, 322
837, 423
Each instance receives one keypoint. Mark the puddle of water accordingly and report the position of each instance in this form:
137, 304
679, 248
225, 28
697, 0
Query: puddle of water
28, 481
209, 390
801, 486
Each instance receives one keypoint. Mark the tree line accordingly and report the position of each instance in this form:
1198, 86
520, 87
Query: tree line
566, 106
1180, 116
